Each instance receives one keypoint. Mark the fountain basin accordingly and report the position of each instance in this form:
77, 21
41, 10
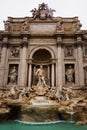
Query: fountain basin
42, 100
39, 113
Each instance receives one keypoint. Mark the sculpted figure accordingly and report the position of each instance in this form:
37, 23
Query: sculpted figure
13, 93
15, 52
35, 13
25, 26
59, 25
78, 26
13, 75
41, 77
43, 12
69, 74
6, 25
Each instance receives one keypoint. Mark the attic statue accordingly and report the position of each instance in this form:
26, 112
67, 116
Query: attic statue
6, 25
43, 12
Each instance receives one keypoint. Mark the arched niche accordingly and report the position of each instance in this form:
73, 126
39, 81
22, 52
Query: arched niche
42, 56
43, 49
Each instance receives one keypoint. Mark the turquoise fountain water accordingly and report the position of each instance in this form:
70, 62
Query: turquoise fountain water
52, 126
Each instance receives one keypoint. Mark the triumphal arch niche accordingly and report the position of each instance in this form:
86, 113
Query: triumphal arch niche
43, 43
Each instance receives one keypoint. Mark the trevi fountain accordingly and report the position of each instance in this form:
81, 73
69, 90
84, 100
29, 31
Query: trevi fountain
43, 69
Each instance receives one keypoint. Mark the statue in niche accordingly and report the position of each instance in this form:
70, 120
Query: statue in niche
68, 51
13, 75
25, 26
41, 77
14, 52
69, 75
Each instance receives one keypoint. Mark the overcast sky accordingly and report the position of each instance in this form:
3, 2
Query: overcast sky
64, 8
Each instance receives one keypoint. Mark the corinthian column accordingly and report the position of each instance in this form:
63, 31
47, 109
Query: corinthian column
23, 65
52, 75
59, 63
3, 62
80, 62
30, 74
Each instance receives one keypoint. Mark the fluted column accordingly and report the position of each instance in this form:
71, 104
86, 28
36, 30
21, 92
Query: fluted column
48, 72
23, 65
52, 75
3, 61
80, 62
30, 75
59, 62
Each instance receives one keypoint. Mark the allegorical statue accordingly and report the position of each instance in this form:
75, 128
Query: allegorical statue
6, 25
13, 75
25, 26
41, 77
69, 75
43, 12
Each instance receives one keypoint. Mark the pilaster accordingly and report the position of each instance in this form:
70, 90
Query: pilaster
3, 61
52, 73
23, 63
80, 61
30, 74
59, 62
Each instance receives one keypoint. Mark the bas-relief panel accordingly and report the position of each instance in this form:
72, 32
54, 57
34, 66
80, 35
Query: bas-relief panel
14, 52
69, 28
42, 28
16, 27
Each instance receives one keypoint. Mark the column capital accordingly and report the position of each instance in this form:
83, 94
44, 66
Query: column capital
30, 61
5, 39
53, 61
5, 42
59, 40
24, 44
79, 39
25, 35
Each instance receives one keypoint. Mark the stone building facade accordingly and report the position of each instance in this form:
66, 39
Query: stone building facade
56, 43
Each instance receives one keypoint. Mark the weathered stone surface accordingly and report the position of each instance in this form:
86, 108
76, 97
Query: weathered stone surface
59, 45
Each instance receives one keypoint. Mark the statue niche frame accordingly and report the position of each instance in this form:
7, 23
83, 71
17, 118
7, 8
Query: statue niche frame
13, 74
69, 74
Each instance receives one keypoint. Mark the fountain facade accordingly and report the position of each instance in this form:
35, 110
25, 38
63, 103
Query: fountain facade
43, 64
